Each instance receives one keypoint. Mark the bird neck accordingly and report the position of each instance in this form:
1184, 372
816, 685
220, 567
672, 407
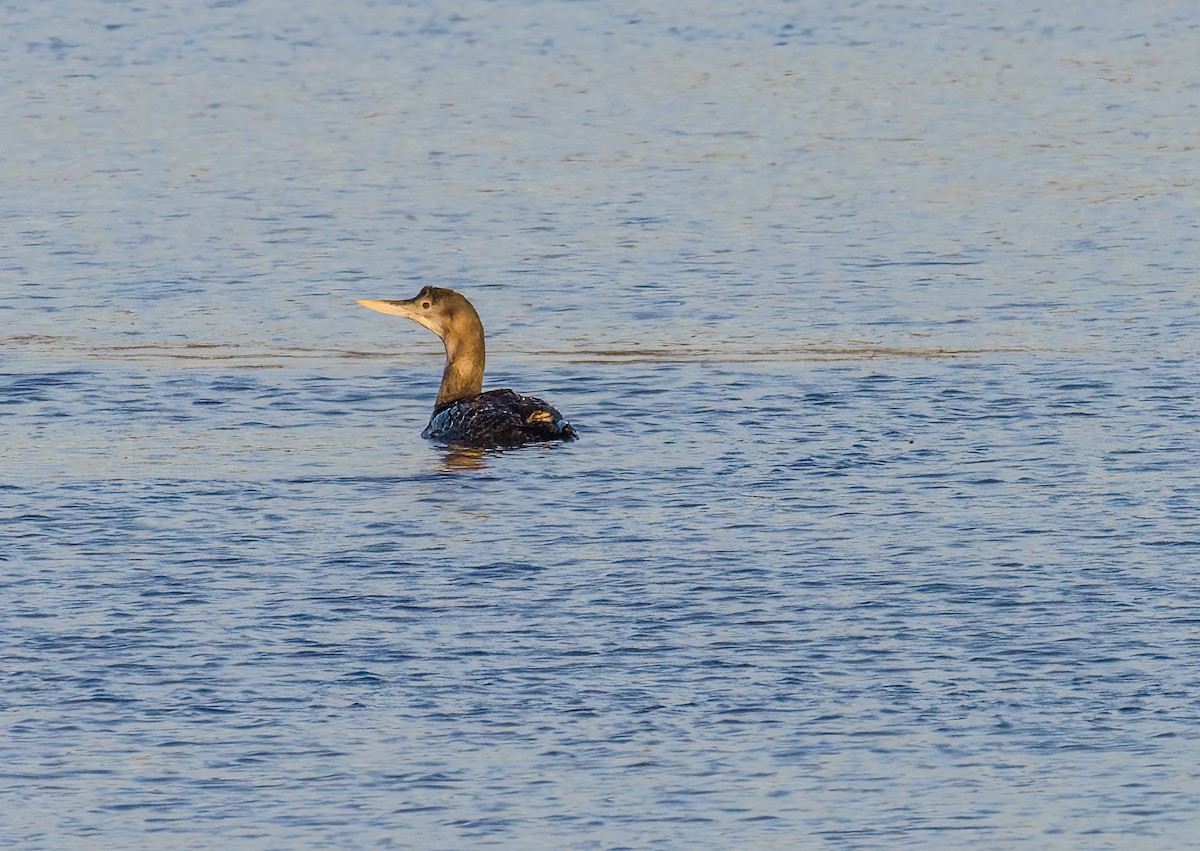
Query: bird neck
463, 375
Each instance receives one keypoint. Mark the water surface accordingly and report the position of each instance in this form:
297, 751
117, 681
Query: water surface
878, 323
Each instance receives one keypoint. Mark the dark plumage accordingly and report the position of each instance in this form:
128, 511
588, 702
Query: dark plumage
499, 417
463, 414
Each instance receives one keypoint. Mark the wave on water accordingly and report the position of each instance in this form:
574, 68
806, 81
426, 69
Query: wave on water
255, 355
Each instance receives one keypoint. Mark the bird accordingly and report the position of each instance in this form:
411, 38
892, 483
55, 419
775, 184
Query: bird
463, 414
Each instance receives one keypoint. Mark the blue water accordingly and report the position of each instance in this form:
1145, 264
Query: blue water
879, 326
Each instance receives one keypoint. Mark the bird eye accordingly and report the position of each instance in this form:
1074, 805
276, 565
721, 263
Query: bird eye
424, 305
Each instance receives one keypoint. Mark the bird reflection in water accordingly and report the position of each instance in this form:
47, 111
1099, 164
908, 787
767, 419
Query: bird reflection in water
458, 458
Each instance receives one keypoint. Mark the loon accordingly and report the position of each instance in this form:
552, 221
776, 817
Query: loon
463, 414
